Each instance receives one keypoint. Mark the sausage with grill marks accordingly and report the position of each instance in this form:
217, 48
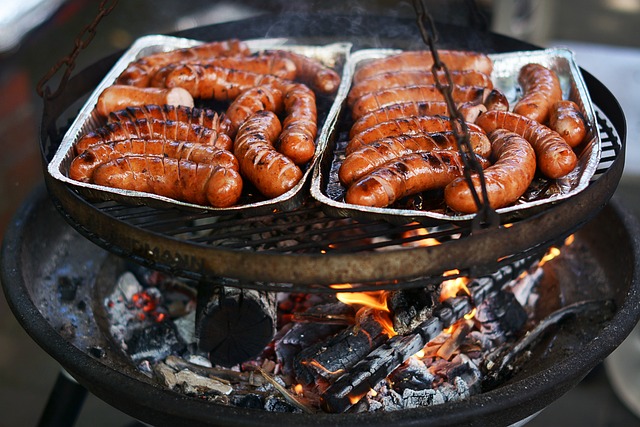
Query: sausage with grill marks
117, 97
377, 153
312, 72
265, 97
299, 127
554, 156
506, 180
83, 166
272, 173
567, 119
541, 89
406, 175
179, 179
496, 100
403, 126
140, 72
422, 60
417, 93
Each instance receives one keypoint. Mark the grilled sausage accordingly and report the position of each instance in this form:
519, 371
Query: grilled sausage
554, 156
403, 126
496, 100
506, 180
312, 72
397, 111
272, 173
261, 64
368, 157
406, 175
82, 166
117, 97
299, 127
153, 129
179, 179
140, 72
385, 97
258, 98
541, 89
567, 119
422, 59
395, 79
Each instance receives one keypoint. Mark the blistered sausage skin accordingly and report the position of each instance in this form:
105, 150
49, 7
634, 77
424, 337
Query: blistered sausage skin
384, 97
423, 60
179, 179
406, 175
541, 89
554, 156
506, 179
82, 166
139, 72
261, 64
312, 72
411, 78
250, 101
117, 97
567, 119
153, 129
403, 126
299, 127
272, 173
375, 154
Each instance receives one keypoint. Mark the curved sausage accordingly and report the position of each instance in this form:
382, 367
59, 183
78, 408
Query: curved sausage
258, 98
368, 157
382, 98
82, 166
117, 97
567, 119
179, 179
506, 180
299, 127
541, 89
554, 156
406, 175
312, 72
261, 64
153, 129
496, 100
139, 72
403, 126
422, 59
272, 173
395, 79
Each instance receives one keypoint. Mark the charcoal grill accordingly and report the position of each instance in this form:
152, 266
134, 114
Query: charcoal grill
180, 243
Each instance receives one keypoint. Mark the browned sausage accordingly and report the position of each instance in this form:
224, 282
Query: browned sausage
406, 175
139, 72
153, 129
422, 60
541, 89
567, 119
411, 78
82, 166
397, 111
554, 156
272, 173
312, 72
258, 98
382, 98
496, 100
299, 127
179, 179
506, 180
369, 157
261, 64
117, 97
403, 126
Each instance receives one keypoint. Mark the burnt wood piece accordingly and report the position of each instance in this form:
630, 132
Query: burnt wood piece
501, 317
234, 325
328, 359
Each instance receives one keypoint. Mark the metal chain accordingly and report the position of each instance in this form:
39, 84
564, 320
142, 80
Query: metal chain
486, 215
82, 41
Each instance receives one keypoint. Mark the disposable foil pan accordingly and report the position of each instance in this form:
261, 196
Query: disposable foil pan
333, 55
327, 189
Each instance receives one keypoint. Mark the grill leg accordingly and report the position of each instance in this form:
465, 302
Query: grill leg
64, 404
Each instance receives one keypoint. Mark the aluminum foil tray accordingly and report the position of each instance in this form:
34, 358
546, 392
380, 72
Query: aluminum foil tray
327, 189
333, 55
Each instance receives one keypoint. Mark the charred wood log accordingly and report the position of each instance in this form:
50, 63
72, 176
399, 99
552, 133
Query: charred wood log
234, 325
329, 359
411, 307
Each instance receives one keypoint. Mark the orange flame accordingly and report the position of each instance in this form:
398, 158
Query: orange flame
429, 241
376, 299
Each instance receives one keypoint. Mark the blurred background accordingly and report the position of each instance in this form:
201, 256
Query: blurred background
35, 34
